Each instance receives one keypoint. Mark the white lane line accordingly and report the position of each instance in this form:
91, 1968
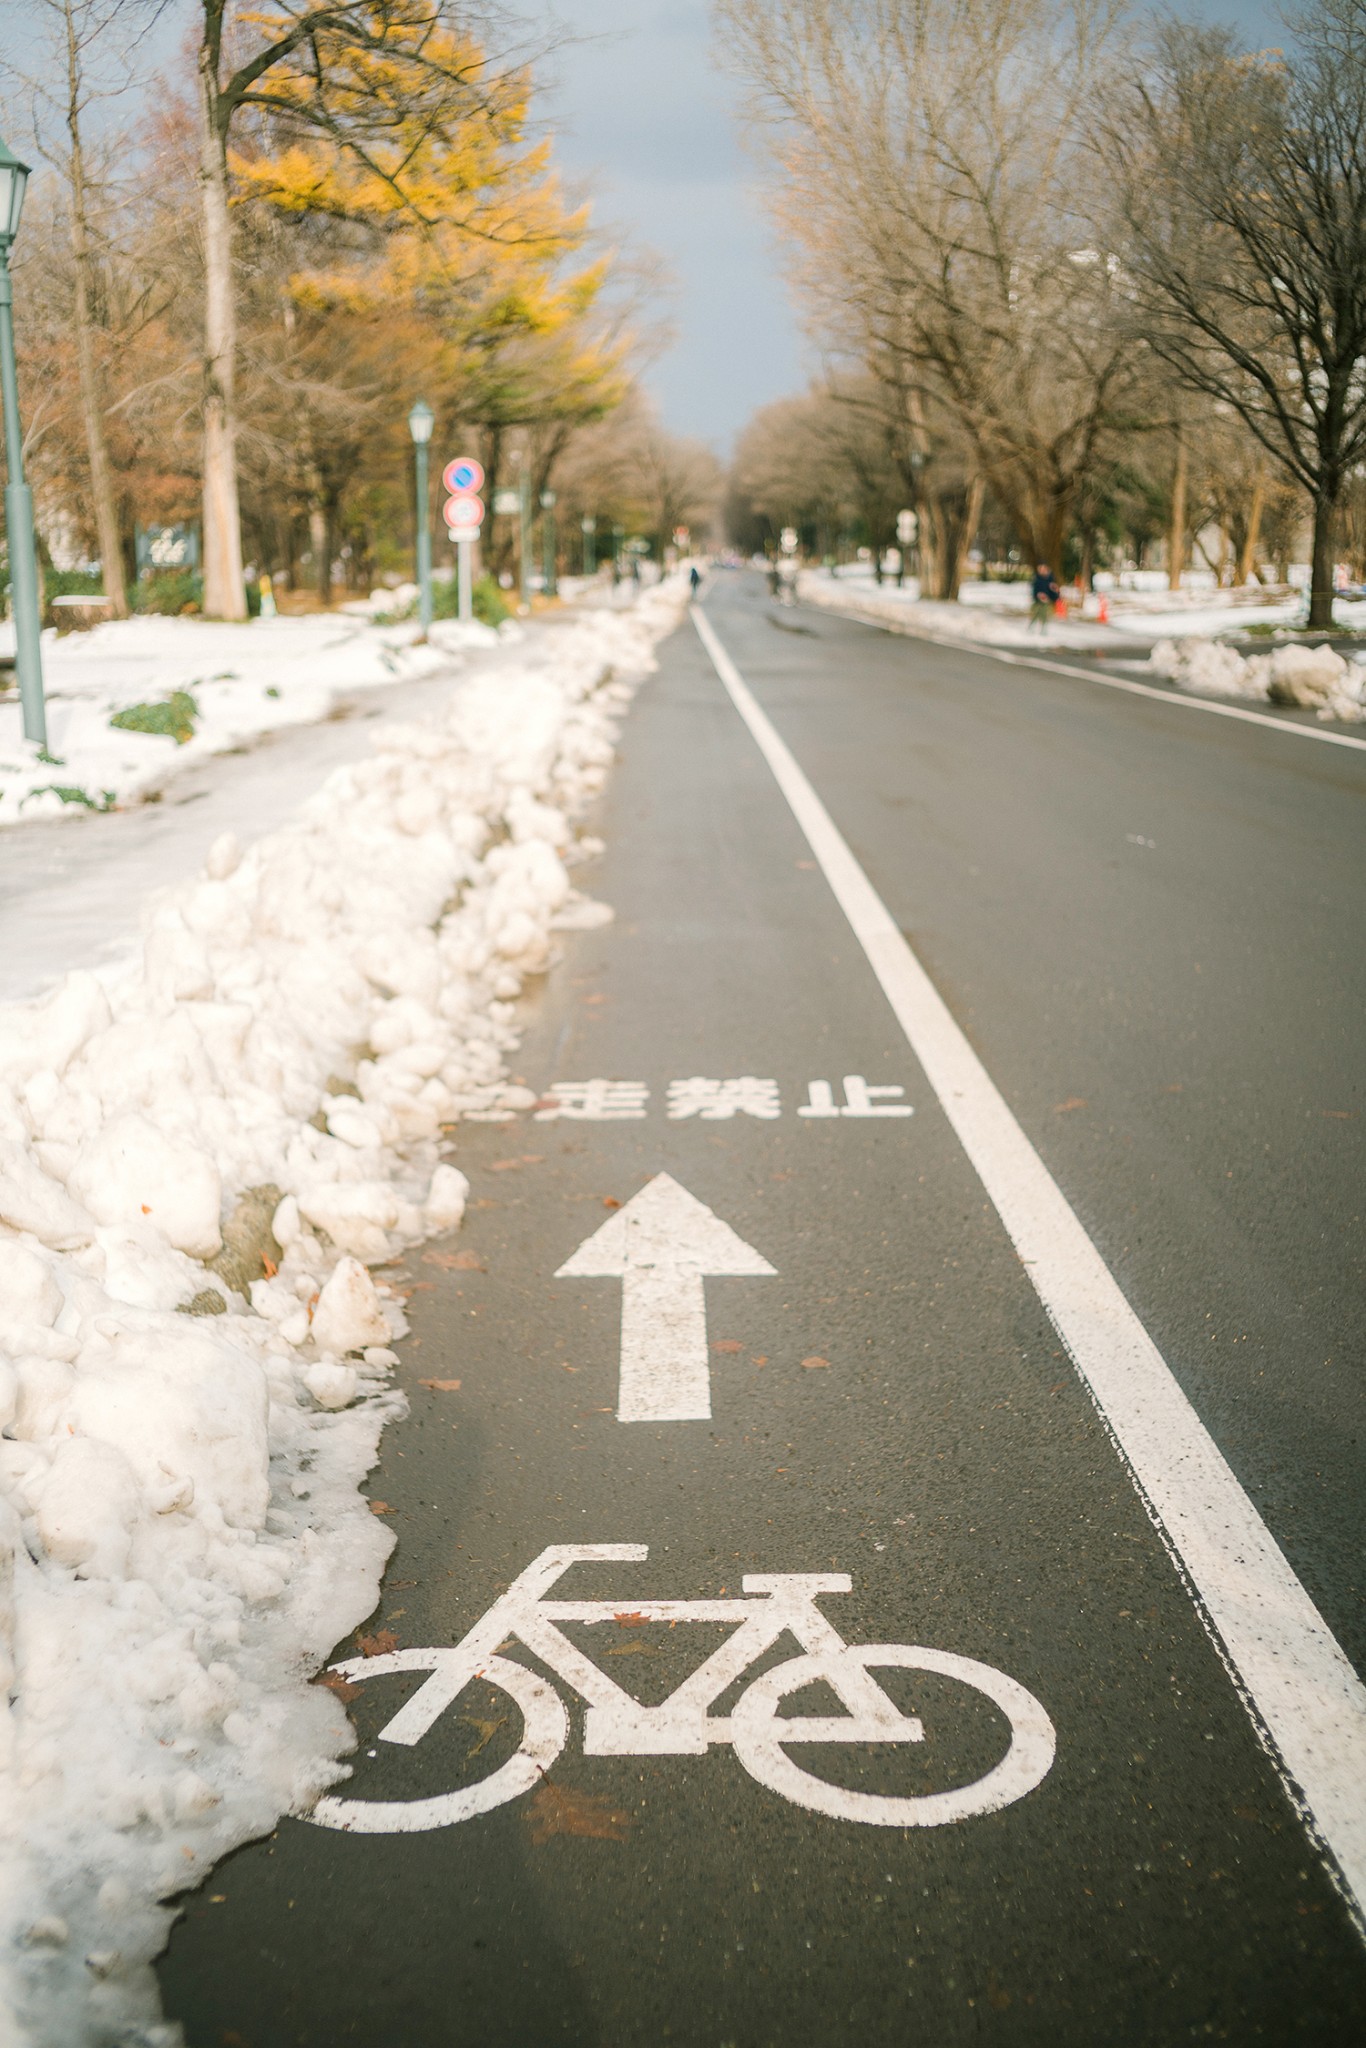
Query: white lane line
1087, 675
1305, 1699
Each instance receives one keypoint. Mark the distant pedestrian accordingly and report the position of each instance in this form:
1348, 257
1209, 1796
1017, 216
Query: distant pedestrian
1045, 594
694, 580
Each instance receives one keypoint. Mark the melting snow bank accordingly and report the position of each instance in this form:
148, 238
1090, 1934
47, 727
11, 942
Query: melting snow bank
1316, 678
196, 1170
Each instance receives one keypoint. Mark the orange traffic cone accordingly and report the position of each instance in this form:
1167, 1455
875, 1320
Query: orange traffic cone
1103, 611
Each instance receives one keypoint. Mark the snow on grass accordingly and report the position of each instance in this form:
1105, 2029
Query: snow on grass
996, 614
134, 700
198, 1167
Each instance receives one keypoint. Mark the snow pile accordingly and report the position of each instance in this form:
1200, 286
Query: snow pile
228, 684
197, 1168
1316, 678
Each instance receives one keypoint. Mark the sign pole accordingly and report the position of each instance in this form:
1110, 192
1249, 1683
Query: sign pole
464, 549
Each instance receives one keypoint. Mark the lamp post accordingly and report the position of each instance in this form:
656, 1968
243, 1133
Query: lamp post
23, 558
590, 553
421, 420
548, 541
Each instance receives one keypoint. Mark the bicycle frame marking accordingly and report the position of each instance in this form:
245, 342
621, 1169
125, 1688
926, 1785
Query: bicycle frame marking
615, 1724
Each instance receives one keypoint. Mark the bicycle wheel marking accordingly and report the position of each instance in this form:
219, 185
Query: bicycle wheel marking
773, 1605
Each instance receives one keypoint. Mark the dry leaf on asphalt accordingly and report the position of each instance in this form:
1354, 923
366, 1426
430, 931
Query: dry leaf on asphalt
382, 1507
441, 1386
552, 1810
382, 1643
455, 1262
631, 1619
812, 1363
1072, 1102
487, 1730
333, 1682
727, 1344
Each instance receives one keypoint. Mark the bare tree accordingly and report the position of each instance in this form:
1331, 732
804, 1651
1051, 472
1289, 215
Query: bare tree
930, 156
1243, 180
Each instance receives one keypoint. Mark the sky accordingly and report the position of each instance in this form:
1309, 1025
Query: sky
647, 118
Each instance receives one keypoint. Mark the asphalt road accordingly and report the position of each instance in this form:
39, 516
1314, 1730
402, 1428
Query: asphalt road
1149, 925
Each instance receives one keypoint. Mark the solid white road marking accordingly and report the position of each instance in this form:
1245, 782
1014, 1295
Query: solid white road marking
1307, 1702
661, 1244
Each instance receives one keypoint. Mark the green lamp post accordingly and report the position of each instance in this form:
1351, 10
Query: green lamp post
23, 557
421, 420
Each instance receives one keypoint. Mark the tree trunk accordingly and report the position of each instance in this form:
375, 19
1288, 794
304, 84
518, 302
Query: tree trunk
1321, 587
225, 595
1176, 540
103, 499
1246, 571
320, 546
962, 534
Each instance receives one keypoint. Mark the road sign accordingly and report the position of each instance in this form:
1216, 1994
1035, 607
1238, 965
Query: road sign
907, 526
788, 540
506, 502
464, 514
464, 474
660, 1246
588, 523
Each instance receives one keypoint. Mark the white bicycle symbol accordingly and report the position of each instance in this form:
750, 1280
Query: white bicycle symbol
618, 1725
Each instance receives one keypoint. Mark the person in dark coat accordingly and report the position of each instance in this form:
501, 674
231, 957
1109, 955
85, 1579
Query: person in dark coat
1045, 594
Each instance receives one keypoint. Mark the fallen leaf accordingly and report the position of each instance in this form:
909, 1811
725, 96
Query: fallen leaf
631, 1619
441, 1386
634, 1649
487, 1730
1072, 1102
761, 1359
382, 1643
269, 1266
1345, 1114
455, 1262
333, 1682
610, 1202
382, 1507
145, 1209
555, 1811
422, 1287
812, 1363
505, 1166
727, 1344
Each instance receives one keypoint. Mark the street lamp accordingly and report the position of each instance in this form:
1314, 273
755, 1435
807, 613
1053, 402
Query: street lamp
421, 420
590, 553
23, 558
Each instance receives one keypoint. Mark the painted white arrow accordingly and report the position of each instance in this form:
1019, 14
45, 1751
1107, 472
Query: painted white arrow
660, 1246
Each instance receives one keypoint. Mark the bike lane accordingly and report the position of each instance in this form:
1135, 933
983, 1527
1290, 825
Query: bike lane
889, 1403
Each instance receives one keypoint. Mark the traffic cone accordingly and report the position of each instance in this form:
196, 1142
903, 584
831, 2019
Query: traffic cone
1103, 612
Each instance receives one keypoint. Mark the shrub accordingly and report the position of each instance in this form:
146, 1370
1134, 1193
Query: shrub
175, 715
169, 592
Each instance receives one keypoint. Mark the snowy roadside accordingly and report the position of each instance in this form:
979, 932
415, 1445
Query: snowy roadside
198, 1166
191, 687
1314, 678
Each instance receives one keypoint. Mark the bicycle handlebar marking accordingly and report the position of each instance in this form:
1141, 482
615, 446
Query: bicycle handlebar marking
615, 1724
